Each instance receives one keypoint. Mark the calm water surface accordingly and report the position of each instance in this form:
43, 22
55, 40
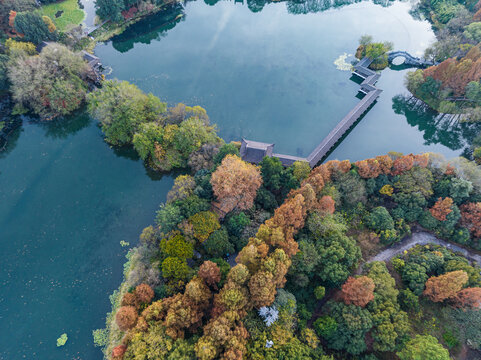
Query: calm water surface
67, 199
270, 75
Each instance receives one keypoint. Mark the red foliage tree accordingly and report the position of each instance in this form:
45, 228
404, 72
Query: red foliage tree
468, 298
144, 293
126, 317
210, 273
441, 208
327, 204
129, 299
118, 352
368, 168
385, 164
471, 217
440, 288
403, 164
11, 19
358, 291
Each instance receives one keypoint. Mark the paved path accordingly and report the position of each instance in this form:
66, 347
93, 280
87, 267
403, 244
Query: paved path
423, 238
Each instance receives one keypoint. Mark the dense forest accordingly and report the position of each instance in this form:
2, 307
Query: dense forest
267, 262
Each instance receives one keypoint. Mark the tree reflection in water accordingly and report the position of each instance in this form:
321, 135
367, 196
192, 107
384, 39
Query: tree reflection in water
437, 128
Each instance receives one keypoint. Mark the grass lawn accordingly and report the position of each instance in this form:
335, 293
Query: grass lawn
72, 14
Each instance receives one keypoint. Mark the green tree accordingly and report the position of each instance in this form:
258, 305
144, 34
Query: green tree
472, 32
301, 170
109, 9
177, 246
224, 150
236, 223
33, 27
325, 326
380, 219
175, 268
218, 245
168, 217
204, 224
121, 108
353, 322
423, 347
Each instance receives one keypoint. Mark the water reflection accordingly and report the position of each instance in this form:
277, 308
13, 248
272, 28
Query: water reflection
151, 28
156, 26
436, 128
61, 128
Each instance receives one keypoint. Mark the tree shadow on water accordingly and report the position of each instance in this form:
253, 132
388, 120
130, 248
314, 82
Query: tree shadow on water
151, 28
437, 128
62, 128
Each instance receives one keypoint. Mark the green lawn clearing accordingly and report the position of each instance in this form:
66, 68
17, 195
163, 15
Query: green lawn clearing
72, 14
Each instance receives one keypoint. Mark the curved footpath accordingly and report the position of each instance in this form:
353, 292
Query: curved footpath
423, 238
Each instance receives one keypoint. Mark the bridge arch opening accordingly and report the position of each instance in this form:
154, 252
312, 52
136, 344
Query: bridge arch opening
398, 60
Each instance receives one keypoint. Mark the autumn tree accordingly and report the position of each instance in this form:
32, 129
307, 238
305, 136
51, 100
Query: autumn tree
118, 352
262, 289
327, 204
210, 273
183, 187
402, 164
144, 293
471, 217
441, 208
235, 184
440, 288
204, 223
468, 298
368, 168
358, 291
129, 299
126, 317
51, 84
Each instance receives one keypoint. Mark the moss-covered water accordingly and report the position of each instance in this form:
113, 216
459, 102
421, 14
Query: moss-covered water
265, 72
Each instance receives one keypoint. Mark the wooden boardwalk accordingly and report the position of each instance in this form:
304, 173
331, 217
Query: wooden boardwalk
253, 151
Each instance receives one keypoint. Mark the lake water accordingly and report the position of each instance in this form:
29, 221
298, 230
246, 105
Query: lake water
270, 75
264, 72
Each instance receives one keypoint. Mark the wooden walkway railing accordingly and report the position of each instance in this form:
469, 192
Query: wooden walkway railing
371, 94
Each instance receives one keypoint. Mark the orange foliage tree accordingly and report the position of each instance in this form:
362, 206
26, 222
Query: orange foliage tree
210, 273
368, 168
126, 317
440, 288
358, 291
456, 74
402, 164
471, 217
441, 208
235, 184
144, 293
327, 205
118, 352
129, 299
468, 298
